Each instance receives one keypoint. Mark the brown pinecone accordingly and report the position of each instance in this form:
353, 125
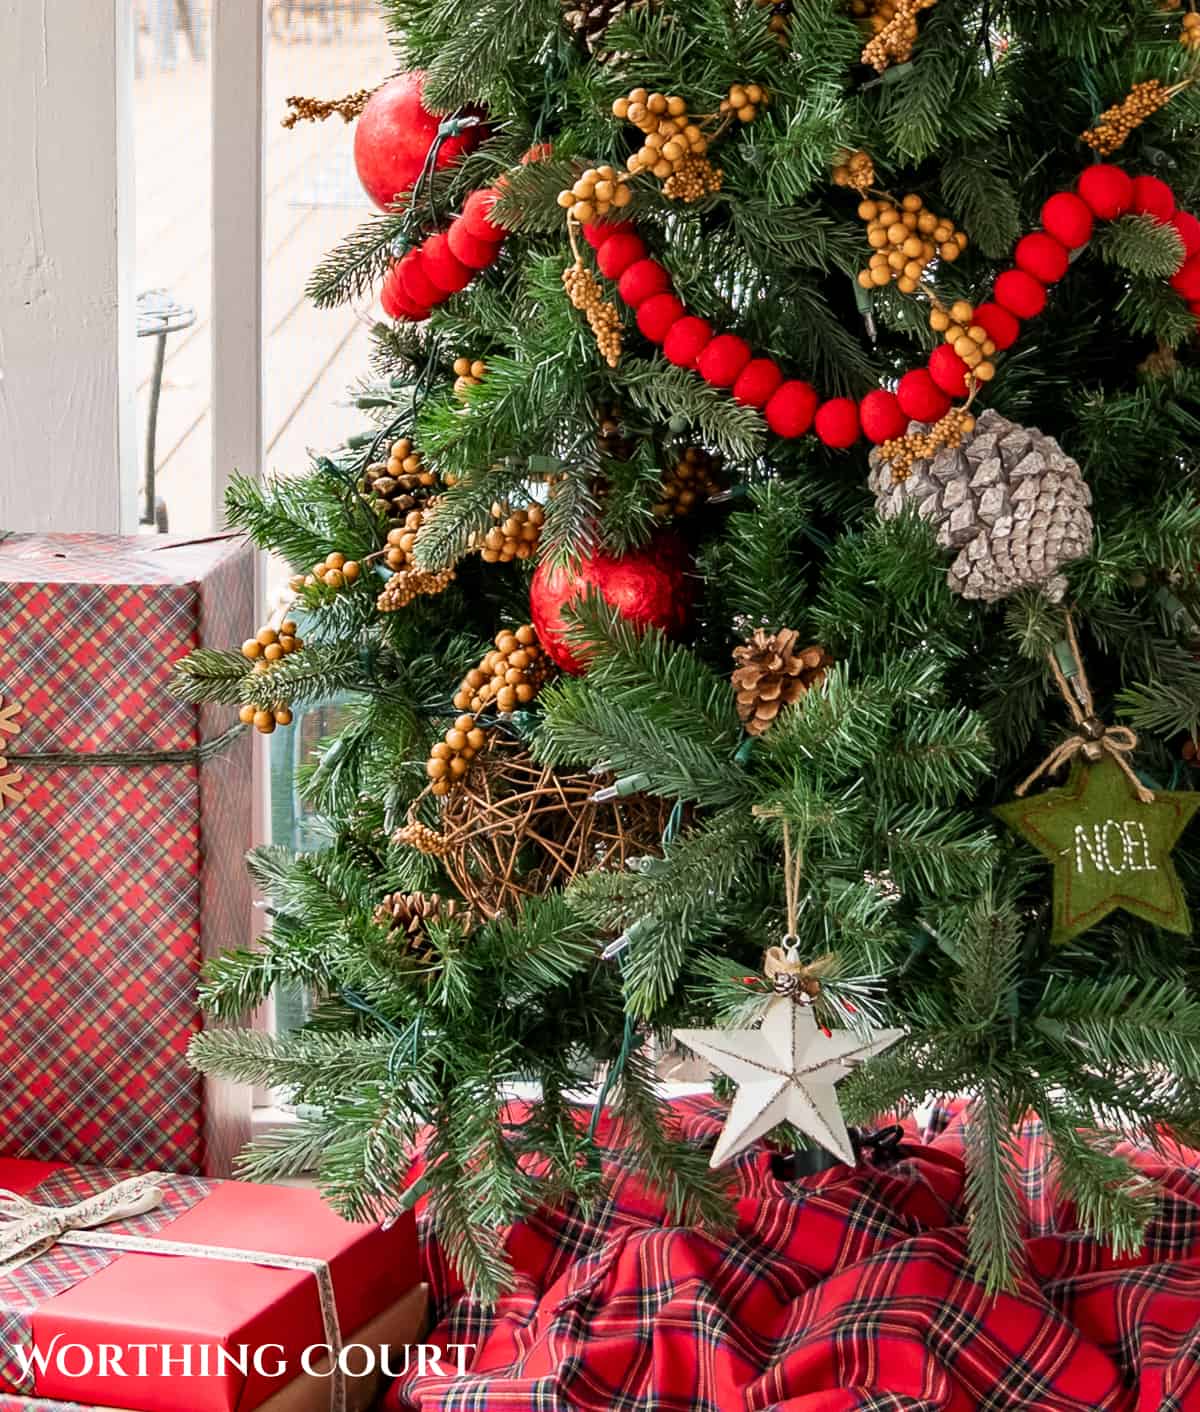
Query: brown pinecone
772, 674
588, 19
407, 916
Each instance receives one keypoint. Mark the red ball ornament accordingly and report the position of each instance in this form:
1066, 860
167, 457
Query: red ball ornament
836, 422
395, 303
1187, 278
476, 254
1020, 294
1107, 190
617, 253
394, 134
949, 371
791, 408
1069, 219
881, 416
723, 360
642, 279
920, 398
1189, 232
656, 315
649, 587
476, 215
598, 232
416, 284
686, 340
757, 382
443, 267
1152, 197
1043, 257
1001, 326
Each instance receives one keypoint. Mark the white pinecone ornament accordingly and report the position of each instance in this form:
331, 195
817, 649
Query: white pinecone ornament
1009, 499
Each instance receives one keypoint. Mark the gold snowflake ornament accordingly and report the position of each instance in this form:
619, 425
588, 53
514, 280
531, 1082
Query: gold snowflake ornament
9, 778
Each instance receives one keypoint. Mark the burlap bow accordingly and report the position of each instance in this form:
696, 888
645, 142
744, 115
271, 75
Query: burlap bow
1093, 739
28, 1230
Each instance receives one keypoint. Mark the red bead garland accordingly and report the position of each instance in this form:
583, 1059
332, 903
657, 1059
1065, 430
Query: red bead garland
445, 262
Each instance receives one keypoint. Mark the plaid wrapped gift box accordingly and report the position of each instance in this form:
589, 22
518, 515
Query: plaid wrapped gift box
116, 879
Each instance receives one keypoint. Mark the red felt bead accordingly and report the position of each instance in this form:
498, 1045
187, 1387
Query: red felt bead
642, 279
1187, 278
1001, 326
443, 266
1068, 218
1107, 190
1189, 232
836, 422
617, 253
476, 214
393, 136
476, 254
395, 303
649, 587
920, 398
1043, 257
757, 382
656, 315
881, 416
416, 284
948, 370
1020, 294
722, 361
597, 232
686, 339
791, 408
1152, 197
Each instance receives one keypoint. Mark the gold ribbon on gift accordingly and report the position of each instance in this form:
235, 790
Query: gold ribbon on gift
28, 1230
1093, 738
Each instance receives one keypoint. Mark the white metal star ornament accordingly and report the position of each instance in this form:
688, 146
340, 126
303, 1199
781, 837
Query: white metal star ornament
785, 1071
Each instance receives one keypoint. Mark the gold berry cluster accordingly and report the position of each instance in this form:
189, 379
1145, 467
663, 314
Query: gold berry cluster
902, 451
1116, 123
392, 489
407, 584
468, 372
778, 23
513, 536
583, 290
334, 571
1189, 35
596, 192
508, 676
415, 834
906, 237
745, 101
264, 649
968, 339
854, 169
402, 540
893, 25
692, 479
451, 757
674, 147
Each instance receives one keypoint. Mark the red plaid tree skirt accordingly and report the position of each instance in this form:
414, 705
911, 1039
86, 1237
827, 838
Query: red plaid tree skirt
851, 1290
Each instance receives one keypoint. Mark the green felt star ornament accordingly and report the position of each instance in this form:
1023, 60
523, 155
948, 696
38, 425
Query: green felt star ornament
1109, 849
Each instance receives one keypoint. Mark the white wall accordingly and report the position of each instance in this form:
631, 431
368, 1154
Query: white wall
68, 454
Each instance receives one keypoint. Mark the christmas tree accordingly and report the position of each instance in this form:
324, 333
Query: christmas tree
774, 530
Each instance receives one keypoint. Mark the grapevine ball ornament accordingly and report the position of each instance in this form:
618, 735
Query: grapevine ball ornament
649, 587
394, 134
792, 406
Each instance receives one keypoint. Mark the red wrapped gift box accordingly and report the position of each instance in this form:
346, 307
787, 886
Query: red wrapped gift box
68, 1302
115, 879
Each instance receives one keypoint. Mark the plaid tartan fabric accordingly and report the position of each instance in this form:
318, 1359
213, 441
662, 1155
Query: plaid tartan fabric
850, 1290
23, 1289
103, 868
